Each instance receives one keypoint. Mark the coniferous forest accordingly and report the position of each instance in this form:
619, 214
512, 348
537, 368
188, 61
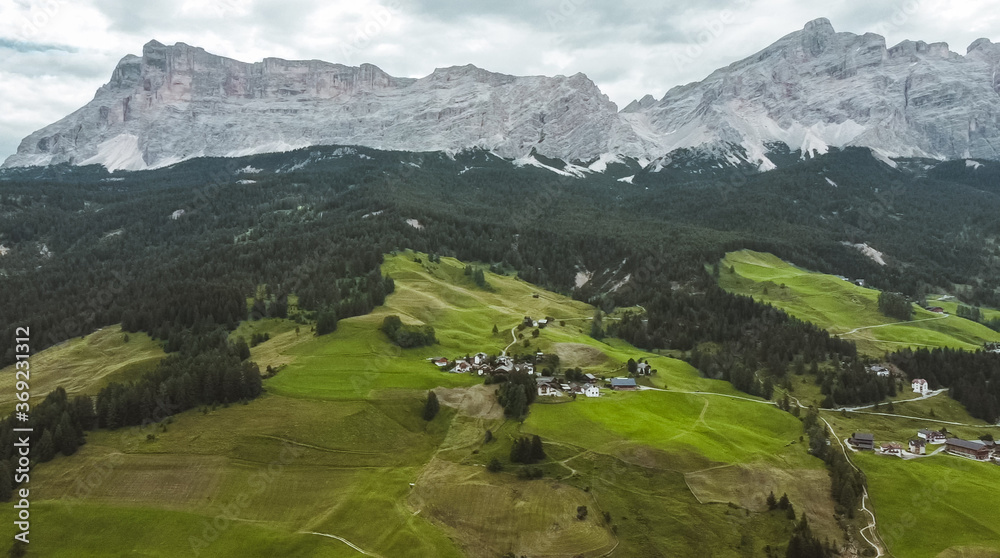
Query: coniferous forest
178, 252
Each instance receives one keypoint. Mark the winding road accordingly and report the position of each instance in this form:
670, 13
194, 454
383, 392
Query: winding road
857, 329
921, 398
864, 495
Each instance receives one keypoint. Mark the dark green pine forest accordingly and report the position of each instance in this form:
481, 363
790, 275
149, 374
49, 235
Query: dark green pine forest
177, 252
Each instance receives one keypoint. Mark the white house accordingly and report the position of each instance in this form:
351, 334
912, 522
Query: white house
592, 391
480, 358
548, 389
642, 368
880, 371
462, 367
932, 436
920, 386
892, 449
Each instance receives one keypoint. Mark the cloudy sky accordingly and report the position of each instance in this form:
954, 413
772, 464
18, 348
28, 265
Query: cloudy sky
55, 53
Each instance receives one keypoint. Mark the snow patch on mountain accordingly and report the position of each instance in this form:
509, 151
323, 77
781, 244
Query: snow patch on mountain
882, 156
831, 183
602, 162
570, 170
969, 163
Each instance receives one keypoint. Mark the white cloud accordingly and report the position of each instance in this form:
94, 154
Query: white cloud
629, 47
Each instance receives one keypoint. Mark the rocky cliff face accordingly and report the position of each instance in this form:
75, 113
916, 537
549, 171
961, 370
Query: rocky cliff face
817, 88
177, 102
811, 90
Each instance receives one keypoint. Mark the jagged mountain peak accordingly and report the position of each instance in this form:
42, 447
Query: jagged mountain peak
817, 88
176, 102
812, 89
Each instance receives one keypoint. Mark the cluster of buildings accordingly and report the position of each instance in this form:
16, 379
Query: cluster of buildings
588, 386
548, 386
483, 364
973, 449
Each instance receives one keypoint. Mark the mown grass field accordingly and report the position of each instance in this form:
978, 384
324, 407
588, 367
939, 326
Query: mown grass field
86, 364
843, 308
936, 505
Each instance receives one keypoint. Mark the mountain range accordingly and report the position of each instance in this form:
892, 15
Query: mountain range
811, 90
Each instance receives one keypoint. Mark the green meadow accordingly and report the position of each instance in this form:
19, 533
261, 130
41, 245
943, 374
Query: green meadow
336, 448
844, 308
86, 364
936, 506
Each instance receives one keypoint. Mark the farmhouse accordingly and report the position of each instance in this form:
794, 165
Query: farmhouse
480, 358
880, 371
918, 446
623, 384
546, 389
591, 379
919, 385
440, 362
461, 367
936, 309
642, 368
862, 441
592, 391
892, 448
974, 450
932, 436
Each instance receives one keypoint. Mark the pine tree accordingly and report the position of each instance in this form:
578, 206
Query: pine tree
66, 437
326, 322
772, 502
431, 407
46, 447
537, 451
6, 477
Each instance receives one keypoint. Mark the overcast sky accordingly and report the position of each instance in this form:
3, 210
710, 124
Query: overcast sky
55, 53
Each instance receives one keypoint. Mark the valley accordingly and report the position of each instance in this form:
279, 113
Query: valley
306, 308
336, 451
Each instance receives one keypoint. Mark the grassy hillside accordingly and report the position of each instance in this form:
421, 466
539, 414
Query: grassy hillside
337, 447
843, 308
86, 364
938, 506
916, 501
